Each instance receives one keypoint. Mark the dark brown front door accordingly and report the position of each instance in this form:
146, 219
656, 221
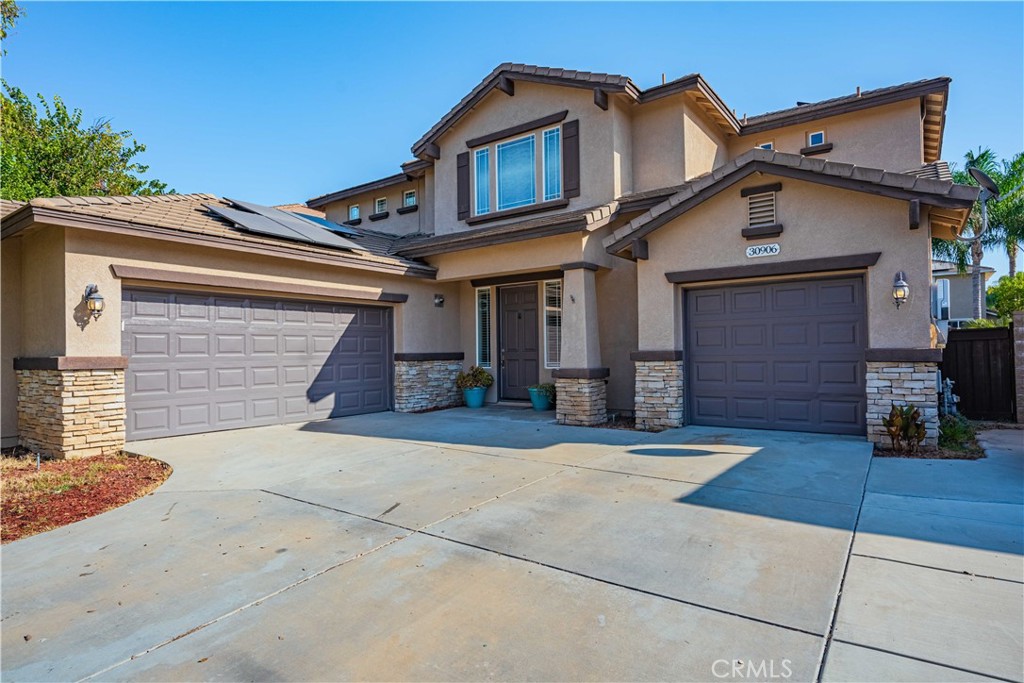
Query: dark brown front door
519, 341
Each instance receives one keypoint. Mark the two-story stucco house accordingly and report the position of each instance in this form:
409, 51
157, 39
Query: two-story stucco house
646, 250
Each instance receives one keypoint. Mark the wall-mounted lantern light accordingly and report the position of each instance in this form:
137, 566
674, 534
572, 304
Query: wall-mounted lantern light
900, 289
439, 300
93, 300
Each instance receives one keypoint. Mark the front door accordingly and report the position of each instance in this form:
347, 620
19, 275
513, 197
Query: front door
519, 341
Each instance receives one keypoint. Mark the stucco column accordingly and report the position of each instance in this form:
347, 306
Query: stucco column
580, 379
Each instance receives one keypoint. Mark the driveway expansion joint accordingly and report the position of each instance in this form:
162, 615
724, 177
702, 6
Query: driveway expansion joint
958, 572
926, 661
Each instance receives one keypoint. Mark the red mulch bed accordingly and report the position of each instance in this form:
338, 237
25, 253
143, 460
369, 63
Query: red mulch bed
66, 491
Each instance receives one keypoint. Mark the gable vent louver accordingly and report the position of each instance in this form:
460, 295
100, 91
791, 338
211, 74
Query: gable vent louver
761, 209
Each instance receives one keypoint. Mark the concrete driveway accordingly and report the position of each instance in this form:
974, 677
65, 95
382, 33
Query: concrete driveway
469, 545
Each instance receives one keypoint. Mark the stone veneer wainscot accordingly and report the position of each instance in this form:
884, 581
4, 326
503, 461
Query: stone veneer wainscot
659, 402
581, 401
70, 413
423, 382
901, 383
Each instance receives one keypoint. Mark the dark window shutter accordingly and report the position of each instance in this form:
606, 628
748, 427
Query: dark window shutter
571, 158
462, 166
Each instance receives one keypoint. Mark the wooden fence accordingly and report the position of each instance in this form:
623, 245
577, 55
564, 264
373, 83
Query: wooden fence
980, 362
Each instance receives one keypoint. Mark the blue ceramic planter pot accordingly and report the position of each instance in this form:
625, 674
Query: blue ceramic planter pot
474, 397
540, 400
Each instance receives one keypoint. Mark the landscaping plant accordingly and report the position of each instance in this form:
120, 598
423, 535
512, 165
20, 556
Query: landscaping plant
905, 428
473, 378
956, 432
548, 390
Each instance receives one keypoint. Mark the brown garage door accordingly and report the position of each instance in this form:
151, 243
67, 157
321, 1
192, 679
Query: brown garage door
200, 363
786, 355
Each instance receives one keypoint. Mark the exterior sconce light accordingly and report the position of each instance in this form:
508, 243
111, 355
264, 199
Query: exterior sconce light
93, 300
900, 289
439, 300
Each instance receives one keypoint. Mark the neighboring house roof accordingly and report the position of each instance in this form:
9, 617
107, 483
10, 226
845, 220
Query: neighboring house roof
186, 216
948, 268
955, 200
546, 226
937, 170
380, 184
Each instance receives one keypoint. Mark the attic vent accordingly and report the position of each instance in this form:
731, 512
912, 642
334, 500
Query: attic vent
761, 209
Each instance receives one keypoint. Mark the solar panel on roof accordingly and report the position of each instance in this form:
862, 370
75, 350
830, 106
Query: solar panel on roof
308, 229
254, 222
330, 225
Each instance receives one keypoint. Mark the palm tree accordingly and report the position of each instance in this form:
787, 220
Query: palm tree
984, 160
1006, 217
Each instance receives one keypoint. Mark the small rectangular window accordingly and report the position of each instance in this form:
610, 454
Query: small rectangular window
552, 323
816, 138
761, 209
409, 198
552, 164
517, 173
767, 145
483, 327
482, 175
353, 212
380, 205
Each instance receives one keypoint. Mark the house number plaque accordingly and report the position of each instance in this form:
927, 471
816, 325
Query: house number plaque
763, 250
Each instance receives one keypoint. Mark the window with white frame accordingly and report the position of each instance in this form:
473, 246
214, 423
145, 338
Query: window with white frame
517, 172
767, 145
380, 205
521, 178
409, 198
482, 182
353, 212
552, 323
552, 164
483, 327
816, 138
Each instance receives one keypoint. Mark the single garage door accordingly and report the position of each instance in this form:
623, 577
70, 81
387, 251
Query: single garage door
787, 355
200, 363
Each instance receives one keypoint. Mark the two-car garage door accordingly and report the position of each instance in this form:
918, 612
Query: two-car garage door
202, 362
785, 355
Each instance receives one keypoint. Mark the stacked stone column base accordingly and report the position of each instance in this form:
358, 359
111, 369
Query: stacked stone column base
659, 394
71, 413
426, 385
582, 402
902, 383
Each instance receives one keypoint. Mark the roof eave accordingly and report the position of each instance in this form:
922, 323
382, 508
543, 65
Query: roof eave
324, 200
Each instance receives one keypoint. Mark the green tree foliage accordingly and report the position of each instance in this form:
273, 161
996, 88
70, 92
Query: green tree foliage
49, 153
1008, 295
9, 13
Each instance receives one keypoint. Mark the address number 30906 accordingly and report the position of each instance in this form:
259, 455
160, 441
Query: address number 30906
763, 250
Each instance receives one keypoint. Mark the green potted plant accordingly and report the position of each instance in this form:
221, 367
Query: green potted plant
542, 396
474, 383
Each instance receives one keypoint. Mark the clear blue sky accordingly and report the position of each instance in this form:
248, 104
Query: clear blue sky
280, 102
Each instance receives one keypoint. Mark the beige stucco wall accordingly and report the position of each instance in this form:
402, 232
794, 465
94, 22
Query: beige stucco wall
532, 101
419, 325
704, 146
505, 259
888, 137
658, 145
11, 303
43, 288
961, 295
617, 325
622, 148
818, 221
396, 224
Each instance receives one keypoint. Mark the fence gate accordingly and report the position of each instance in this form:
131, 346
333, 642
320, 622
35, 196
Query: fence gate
980, 362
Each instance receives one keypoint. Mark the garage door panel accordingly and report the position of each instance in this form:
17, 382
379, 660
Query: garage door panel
782, 355
200, 363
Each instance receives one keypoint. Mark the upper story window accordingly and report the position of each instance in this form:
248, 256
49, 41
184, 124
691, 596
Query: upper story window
517, 173
816, 138
353, 212
770, 145
380, 205
409, 198
521, 176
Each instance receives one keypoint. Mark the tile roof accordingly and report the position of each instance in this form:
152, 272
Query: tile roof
937, 170
187, 213
544, 226
9, 206
378, 184
301, 208
867, 98
770, 162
